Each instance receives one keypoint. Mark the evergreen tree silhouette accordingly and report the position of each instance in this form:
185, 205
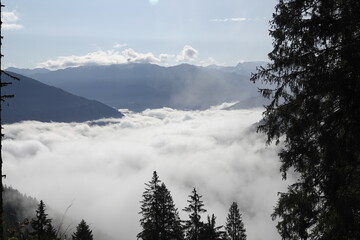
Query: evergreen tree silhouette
315, 111
51, 233
170, 223
160, 219
83, 232
194, 224
2, 99
234, 224
43, 229
150, 221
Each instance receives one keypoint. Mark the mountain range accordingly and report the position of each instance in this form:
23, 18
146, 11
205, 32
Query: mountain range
37, 101
141, 86
63, 95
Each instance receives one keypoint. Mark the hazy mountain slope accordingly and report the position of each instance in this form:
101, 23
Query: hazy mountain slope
243, 69
141, 86
27, 72
17, 208
37, 101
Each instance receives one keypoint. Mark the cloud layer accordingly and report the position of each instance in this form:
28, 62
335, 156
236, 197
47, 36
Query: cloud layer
120, 45
129, 55
10, 20
228, 19
100, 58
103, 166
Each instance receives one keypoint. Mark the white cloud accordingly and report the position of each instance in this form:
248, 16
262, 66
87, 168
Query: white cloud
128, 55
165, 57
187, 54
10, 20
100, 58
94, 58
120, 45
12, 26
9, 17
136, 57
228, 19
104, 167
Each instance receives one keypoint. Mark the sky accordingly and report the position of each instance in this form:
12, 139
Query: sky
43, 33
101, 169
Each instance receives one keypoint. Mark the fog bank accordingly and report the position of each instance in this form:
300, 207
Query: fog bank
102, 166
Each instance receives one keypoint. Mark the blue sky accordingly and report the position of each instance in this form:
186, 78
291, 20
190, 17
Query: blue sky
58, 34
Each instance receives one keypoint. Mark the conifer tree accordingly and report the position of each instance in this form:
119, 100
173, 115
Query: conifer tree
234, 224
51, 233
1, 135
83, 232
3, 97
160, 219
315, 111
194, 224
170, 223
150, 210
43, 229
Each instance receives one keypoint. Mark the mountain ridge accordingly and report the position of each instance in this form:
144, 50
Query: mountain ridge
138, 86
37, 101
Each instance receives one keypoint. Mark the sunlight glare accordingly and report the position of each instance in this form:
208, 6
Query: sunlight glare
154, 2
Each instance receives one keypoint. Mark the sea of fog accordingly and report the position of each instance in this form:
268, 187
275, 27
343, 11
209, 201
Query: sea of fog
101, 167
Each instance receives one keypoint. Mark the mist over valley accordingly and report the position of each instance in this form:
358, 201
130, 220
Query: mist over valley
101, 166
203, 141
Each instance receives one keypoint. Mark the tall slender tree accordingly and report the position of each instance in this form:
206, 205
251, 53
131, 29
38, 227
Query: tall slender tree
194, 224
315, 111
43, 229
170, 223
150, 210
1, 134
160, 219
234, 225
2, 99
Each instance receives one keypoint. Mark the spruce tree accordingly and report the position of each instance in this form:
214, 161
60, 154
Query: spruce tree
194, 224
51, 233
234, 224
315, 113
170, 223
43, 229
160, 219
83, 232
150, 210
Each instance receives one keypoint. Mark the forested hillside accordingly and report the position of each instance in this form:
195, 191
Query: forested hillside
25, 218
